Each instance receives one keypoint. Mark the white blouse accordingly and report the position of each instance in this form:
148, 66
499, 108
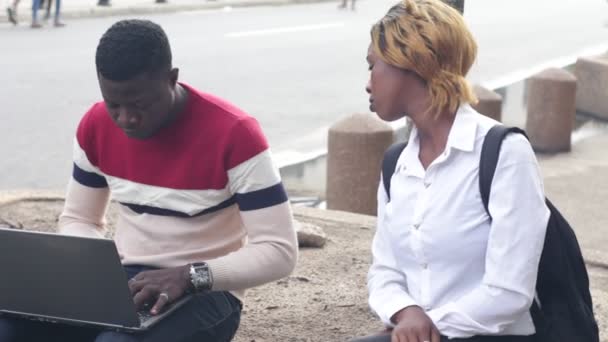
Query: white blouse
436, 247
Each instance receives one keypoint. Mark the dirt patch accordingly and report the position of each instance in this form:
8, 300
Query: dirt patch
323, 300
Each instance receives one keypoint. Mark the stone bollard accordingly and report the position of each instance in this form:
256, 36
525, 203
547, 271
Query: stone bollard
592, 88
490, 103
355, 149
551, 110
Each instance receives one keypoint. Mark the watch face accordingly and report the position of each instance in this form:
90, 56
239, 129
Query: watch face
200, 276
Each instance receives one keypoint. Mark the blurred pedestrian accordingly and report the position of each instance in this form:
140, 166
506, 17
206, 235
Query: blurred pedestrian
57, 19
47, 4
344, 3
11, 11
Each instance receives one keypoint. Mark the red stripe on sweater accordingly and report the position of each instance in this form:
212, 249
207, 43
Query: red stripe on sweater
195, 152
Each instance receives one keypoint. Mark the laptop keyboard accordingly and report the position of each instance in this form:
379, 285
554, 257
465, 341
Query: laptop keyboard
144, 316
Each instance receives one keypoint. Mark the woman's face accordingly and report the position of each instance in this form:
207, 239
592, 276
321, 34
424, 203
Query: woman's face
394, 92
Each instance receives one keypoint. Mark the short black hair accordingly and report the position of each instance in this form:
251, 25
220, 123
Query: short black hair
132, 47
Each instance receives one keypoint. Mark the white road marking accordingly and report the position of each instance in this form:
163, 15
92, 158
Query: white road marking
206, 11
280, 30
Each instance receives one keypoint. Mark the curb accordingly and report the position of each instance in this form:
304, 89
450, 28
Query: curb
153, 8
13, 196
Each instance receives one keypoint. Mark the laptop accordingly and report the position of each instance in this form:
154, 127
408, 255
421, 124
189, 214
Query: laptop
65, 279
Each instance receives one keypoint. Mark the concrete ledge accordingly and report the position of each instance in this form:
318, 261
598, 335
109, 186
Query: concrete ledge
13, 196
327, 289
321, 217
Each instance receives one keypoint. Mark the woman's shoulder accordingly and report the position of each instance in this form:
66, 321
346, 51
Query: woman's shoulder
515, 148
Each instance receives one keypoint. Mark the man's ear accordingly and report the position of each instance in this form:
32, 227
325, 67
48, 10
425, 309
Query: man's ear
173, 76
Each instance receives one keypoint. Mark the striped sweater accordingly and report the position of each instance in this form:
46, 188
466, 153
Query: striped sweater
201, 189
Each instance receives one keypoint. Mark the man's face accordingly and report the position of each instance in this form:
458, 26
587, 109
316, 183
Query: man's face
139, 106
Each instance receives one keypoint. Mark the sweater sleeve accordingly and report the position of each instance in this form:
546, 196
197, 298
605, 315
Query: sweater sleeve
271, 249
88, 193
84, 211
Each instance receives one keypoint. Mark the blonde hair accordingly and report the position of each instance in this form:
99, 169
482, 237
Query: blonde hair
431, 39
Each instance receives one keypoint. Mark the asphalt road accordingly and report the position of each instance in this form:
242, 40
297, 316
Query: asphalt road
298, 69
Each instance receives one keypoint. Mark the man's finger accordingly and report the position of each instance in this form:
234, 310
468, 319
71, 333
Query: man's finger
140, 275
161, 301
136, 285
142, 297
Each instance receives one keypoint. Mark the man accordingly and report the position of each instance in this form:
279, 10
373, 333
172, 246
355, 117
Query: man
202, 208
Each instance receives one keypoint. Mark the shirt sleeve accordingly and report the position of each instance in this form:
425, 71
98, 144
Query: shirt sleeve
519, 221
387, 285
87, 197
271, 249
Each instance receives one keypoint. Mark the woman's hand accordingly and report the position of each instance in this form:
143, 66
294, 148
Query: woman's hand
413, 325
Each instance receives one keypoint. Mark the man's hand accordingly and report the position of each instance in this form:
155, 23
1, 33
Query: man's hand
413, 325
160, 286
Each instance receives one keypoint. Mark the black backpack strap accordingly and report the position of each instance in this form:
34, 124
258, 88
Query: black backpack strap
566, 311
389, 163
490, 151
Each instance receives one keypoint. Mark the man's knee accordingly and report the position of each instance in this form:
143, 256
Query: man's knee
112, 336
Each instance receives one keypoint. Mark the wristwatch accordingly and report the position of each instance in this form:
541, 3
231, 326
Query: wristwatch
200, 276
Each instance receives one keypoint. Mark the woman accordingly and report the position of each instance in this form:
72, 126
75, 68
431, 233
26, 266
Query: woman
441, 267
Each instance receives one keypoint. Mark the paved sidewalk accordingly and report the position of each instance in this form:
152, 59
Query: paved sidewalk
88, 8
577, 183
